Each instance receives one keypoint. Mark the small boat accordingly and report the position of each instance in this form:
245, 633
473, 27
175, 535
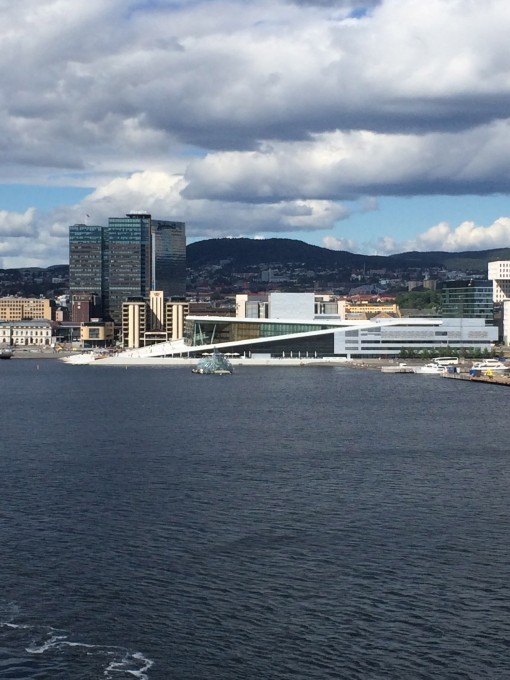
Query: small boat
216, 364
6, 352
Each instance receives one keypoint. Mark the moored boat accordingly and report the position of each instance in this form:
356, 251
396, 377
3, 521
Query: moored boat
400, 368
492, 365
431, 369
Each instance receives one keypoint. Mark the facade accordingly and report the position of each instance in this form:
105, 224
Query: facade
284, 305
169, 257
134, 322
499, 274
369, 310
506, 321
350, 339
17, 309
26, 333
86, 306
156, 310
85, 259
146, 322
471, 299
124, 260
97, 333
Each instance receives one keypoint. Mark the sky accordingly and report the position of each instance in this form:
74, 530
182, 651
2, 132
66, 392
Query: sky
373, 126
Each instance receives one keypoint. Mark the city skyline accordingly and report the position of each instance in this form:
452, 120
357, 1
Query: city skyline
373, 126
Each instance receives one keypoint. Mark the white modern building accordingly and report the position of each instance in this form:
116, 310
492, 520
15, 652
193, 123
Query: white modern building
499, 274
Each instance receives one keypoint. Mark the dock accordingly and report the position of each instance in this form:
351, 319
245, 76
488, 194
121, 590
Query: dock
487, 380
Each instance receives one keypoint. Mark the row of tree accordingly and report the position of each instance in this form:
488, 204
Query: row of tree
460, 352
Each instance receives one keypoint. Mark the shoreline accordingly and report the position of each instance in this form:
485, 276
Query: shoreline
305, 362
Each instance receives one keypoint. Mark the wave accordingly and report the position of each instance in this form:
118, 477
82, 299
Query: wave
116, 661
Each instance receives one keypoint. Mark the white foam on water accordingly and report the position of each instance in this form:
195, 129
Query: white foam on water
123, 666
55, 640
135, 664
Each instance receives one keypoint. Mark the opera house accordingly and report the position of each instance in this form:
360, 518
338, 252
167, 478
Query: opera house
294, 324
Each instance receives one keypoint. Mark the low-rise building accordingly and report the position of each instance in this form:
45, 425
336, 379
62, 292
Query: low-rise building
18, 308
97, 333
37, 332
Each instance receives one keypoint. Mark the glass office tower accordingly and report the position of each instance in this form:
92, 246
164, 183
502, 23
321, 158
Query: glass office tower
126, 262
85, 271
471, 299
85, 256
169, 257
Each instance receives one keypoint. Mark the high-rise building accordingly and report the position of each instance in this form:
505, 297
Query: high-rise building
169, 257
85, 259
126, 259
85, 271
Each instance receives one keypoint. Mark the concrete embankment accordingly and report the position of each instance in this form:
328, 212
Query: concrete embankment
503, 380
38, 354
185, 361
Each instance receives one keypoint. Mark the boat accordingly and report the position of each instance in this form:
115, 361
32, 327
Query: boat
431, 369
6, 352
215, 364
493, 365
402, 367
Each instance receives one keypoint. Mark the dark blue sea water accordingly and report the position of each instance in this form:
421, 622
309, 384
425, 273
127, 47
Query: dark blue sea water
281, 523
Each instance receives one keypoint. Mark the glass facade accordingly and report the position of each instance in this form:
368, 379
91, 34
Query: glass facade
467, 300
126, 262
169, 257
210, 332
85, 259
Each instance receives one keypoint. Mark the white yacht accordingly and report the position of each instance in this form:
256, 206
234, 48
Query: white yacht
431, 369
494, 365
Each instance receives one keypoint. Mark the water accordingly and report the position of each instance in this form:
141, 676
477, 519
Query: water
306, 523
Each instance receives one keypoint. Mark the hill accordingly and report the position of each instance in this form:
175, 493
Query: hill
245, 252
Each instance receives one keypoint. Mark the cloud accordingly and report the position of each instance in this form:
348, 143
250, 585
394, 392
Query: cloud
466, 236
252, 117
226, 74
351, 165
334, 243
161, 195
439, 237
16, 225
